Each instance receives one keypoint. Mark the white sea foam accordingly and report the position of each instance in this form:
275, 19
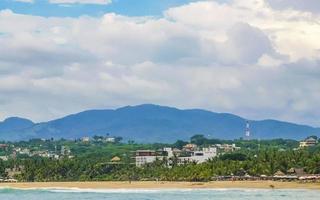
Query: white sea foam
156, 194
142, 190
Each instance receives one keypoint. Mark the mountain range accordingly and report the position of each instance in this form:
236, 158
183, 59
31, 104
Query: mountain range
151, 123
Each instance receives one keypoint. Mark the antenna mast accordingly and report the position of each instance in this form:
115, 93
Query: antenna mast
247, 132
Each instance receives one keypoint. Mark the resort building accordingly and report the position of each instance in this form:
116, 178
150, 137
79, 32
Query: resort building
309, 142
4, 158
190, 147
144, 157
85, 139
199, 156
227, 148
45, 154
110, 139
15, 171
4, 147
65, 151
22, 151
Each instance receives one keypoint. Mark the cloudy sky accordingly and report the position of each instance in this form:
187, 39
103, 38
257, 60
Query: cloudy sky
256, 58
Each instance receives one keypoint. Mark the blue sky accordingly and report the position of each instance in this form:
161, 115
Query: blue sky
255, 58
124, 7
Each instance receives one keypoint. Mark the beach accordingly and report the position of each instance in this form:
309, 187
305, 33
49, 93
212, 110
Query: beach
164, 185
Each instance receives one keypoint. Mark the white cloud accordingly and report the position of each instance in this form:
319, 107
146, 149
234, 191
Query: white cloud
305, 5
81, 1
245, 44
25, 1
243, 57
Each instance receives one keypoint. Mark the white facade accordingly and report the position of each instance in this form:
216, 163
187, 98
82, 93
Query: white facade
110, 139
145, 157
65, 150
200, 156
143, 160
4, 158
25, 151
85, 139
208, 153
169, 151
227, 147
309, 142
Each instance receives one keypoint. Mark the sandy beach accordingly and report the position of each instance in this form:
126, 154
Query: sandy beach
165, 185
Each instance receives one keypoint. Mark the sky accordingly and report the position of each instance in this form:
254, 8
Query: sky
259, 59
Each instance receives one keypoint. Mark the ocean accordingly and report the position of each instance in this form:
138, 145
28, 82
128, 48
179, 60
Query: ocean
153, 194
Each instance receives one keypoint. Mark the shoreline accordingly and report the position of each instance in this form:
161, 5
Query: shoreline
163, 185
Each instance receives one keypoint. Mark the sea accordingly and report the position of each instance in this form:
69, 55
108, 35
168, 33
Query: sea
155, 194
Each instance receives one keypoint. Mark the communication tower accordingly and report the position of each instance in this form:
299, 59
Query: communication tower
247, 132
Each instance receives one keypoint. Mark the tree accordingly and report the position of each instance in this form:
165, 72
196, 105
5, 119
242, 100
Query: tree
118, 139
234, 156
179, 144
198, 140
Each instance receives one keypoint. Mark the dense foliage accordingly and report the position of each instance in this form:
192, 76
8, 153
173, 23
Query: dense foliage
92, 161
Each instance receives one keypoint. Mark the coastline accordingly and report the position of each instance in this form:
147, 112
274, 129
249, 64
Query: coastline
164, 185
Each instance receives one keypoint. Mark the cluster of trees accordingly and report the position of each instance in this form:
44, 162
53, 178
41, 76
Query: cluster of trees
92, 161
201, 140
93, 168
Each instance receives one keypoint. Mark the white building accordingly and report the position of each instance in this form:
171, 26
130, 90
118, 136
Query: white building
85, 139
309, 142
110, 139
199, 156
4, 158
65, 150
25, 151
148, 156
227, 148
190, 147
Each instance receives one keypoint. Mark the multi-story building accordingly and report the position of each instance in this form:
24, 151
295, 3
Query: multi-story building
65, 151
144, 157
174, 155
4, 158
190, 147
199, 156
25, 151
85, 139
227, 148
110, 139
4, 147
308, 142
13, 172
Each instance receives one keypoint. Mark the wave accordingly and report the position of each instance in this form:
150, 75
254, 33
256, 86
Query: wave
138, 190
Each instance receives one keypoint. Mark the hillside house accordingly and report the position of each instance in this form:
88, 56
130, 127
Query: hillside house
308, 142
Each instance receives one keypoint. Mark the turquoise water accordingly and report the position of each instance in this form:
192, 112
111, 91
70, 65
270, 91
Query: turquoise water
179, 194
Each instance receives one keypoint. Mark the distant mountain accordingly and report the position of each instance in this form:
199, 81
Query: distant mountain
152, 123
14, 124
